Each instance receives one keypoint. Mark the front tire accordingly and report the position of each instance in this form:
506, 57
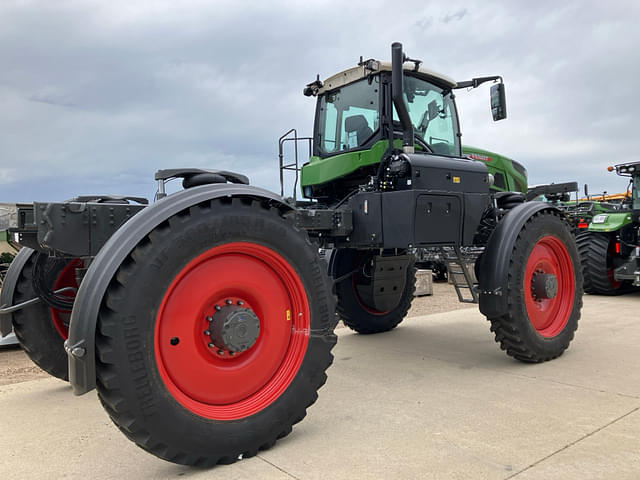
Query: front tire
542, 312
168, 381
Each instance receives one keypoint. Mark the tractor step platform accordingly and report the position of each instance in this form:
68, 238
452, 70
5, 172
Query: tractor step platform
462, 278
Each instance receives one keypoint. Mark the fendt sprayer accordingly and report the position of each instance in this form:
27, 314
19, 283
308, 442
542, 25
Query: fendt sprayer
206, 320
610, 248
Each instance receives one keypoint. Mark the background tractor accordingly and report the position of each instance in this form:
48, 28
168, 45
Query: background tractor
610, 248
205, 320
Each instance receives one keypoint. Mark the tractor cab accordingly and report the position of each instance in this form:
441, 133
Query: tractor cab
631, 170
364, 115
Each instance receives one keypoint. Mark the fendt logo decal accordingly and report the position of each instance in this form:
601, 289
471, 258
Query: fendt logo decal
478, 156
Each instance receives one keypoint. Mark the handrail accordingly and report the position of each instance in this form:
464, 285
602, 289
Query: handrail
291, 166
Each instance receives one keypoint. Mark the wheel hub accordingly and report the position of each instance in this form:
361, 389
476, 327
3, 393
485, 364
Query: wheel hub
544, 286
233, 327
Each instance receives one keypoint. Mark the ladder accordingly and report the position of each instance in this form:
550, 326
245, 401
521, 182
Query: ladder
460, 274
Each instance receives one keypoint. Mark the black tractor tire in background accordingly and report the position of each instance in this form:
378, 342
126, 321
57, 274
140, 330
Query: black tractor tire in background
166, 382
40, 329
539, 326
596, 256
352, 309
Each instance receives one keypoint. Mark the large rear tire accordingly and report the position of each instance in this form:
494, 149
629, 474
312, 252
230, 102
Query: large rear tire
353, 310
597, 252
165, 373
40, 329
544, 292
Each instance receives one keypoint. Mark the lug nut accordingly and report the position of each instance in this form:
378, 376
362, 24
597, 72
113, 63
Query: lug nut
220, 352
207, 332
211, 345
240, 302
218, 308
228, 302
209, 319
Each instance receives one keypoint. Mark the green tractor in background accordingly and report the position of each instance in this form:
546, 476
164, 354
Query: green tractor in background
610, 248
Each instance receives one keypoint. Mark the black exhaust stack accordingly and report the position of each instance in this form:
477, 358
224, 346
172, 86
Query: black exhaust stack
397, 60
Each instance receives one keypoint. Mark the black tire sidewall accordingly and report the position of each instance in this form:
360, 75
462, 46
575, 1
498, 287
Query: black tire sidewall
157, 263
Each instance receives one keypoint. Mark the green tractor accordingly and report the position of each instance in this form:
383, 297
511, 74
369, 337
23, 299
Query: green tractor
610, 247
206, 320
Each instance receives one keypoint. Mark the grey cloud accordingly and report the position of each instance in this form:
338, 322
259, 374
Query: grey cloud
457, 16
206, 84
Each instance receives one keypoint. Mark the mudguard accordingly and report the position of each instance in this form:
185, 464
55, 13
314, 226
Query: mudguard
494, 263
80, 345
9, 287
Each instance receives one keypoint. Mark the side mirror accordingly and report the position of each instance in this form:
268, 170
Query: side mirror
498, 102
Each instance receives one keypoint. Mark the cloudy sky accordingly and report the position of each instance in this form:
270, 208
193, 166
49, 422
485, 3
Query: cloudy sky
95, 96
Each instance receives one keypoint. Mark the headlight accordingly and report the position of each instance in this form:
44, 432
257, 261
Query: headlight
602, 218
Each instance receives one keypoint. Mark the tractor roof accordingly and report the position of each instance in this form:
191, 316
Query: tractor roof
370, 67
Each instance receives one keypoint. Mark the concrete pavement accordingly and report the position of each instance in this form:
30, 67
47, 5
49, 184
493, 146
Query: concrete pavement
435, 398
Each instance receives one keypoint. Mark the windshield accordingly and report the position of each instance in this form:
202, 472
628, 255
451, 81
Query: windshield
348, 117
432, 114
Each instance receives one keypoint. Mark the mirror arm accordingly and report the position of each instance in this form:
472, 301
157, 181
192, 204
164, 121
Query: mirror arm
476, 82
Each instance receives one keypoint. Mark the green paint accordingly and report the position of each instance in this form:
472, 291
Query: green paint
612, 222
509, 175
322, 170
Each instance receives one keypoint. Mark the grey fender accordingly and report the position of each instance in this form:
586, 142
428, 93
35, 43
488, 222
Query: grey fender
494, 262
9, 287
80, 345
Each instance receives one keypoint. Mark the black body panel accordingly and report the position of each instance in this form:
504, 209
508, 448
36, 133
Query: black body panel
440, 202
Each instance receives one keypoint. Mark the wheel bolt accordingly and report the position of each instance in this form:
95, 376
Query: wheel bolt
240, 302
232, 353
209, 319
218, 308
207, 332
228, 302
211, 345
220, 352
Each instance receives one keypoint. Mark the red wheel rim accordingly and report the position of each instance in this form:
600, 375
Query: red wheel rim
66, 278
549, 315
220, 386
